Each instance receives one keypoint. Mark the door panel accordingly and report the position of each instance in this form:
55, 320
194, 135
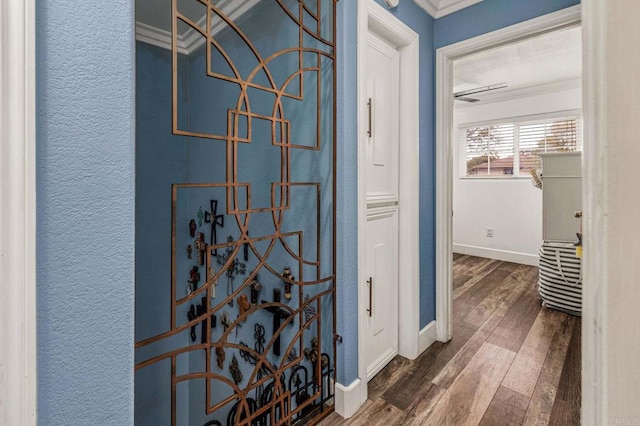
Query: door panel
382, 144
381, 228
380, 272
382, 262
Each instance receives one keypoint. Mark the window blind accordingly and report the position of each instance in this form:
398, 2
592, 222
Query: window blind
488, 148
511, 149
549, 136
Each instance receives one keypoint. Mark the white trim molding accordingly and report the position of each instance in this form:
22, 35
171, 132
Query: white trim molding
191, 40
429, 6
444, 196
158, 37
610, 333
444, 149
18, 396
503, 255
594, 190
439, 8
427, 336
347, 398
374, 18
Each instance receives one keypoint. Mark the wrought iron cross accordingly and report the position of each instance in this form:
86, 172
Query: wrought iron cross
215, 220
278, 314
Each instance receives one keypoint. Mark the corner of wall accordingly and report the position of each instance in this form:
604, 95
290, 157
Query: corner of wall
347, 399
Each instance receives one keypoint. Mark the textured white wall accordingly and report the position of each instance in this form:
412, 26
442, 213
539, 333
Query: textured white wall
512, 207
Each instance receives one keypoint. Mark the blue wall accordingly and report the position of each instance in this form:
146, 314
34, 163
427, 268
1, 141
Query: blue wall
347, 191
85, 211
161, 160
491, 15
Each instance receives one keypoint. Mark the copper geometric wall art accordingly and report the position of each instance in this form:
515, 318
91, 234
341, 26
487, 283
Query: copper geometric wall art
251, 339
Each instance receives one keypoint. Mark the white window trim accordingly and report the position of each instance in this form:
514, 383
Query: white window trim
18, 397
516, 121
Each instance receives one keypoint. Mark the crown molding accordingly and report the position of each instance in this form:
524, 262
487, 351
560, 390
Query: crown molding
448, 7
157, 37
191, 40
439, 8
429, 6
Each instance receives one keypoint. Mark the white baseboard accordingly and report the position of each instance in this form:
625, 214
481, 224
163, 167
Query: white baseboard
347, 398
427, 336
504, 255
381, 363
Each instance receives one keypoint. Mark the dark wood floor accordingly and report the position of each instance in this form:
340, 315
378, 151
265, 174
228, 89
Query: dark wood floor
510, 362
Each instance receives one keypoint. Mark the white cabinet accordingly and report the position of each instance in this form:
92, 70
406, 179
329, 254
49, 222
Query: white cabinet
561, 195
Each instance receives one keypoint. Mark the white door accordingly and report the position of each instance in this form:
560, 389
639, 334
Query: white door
381, 228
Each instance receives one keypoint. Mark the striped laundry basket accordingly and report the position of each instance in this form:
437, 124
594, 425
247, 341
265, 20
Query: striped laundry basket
560, 283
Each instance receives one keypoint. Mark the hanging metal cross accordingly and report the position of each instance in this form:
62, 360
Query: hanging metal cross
235, 268
258, 335
215, 220
245, 249
234, 369
200, 247
293, 354
309, 311
287, 277
313, 355
278, 314
255, 290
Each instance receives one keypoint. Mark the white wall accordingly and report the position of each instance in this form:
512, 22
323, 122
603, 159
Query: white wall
512, 207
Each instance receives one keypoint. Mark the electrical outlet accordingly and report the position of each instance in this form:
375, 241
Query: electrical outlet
490, 232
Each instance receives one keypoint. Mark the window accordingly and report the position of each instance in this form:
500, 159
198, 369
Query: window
511, 149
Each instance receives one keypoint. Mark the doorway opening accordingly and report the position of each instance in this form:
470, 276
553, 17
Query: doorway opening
445, 58
498, 188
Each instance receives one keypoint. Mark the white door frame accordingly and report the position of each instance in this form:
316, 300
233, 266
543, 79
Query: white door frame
373, 17
595, 160
17, 218
594, 334
444, 144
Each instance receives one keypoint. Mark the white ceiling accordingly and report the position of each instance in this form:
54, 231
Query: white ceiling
550, 58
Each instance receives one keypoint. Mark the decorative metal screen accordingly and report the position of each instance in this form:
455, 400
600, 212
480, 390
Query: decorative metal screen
251, 333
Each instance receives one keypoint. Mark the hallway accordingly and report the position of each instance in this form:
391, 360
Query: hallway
511, 361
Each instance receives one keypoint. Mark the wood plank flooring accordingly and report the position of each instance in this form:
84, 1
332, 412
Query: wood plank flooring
510, 362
